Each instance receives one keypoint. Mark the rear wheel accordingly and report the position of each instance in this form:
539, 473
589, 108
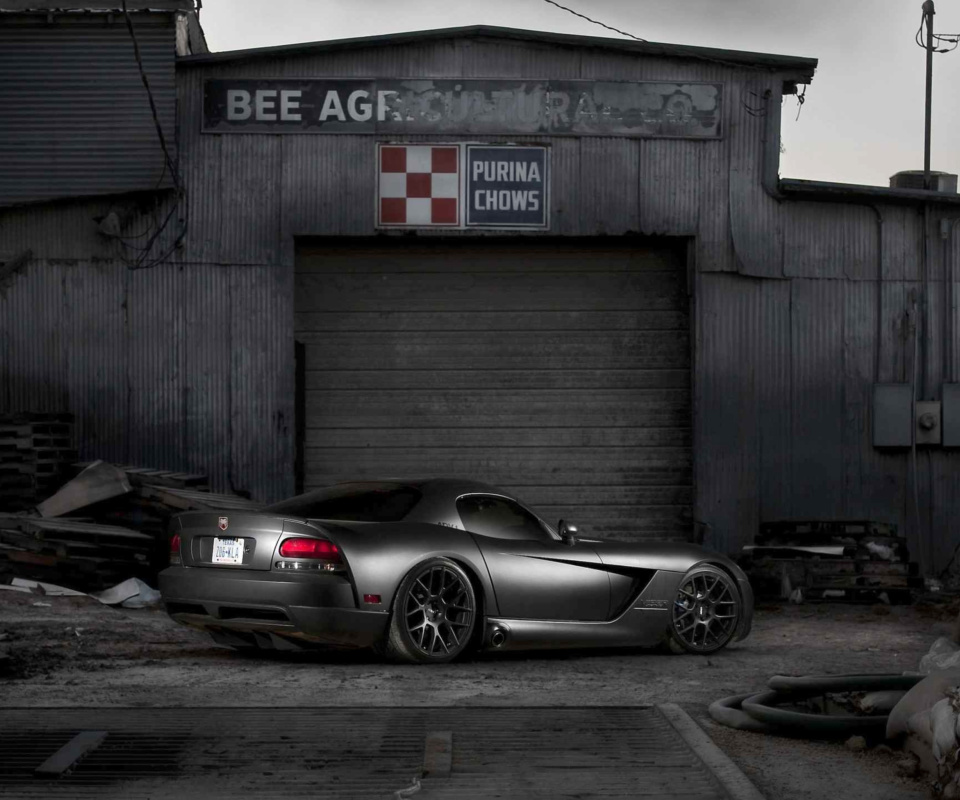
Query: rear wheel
434, 614
706, 611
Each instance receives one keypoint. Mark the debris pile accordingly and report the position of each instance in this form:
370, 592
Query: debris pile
34, 448
831, 560
107, 524
74, 552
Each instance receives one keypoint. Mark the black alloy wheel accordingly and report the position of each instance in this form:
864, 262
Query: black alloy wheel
706, 610
434, 614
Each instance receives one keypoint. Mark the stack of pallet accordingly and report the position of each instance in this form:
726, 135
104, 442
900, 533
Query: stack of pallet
75, 553
107, 524
850, 560
158, 494
34, 449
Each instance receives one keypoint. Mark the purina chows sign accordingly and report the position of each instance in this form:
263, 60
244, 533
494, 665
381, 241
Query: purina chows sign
459, 185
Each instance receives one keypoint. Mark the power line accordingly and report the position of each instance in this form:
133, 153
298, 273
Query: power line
146, 85
595, 22
169, 165
672, 49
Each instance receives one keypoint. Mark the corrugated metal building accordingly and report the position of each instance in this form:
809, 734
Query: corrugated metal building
687, 345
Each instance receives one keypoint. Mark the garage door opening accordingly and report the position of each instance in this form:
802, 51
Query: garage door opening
556, 369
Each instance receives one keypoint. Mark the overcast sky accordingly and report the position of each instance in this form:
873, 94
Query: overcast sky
863, 116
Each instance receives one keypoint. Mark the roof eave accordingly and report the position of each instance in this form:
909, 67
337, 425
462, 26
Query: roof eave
796, 189
803, 67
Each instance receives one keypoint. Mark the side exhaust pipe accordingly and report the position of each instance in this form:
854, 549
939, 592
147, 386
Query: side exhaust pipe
498, 636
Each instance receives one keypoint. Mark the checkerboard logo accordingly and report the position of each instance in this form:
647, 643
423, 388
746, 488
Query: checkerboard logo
419, 185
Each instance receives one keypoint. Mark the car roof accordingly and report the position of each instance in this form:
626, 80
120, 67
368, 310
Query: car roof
435, 487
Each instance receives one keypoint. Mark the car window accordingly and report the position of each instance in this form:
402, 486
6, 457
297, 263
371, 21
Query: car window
354, 502
499, 518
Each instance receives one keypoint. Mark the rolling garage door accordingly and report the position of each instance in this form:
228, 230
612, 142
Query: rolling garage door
557, 370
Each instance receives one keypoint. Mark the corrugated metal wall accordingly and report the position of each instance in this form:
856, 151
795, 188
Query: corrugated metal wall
74, 117
785, 373
192, 362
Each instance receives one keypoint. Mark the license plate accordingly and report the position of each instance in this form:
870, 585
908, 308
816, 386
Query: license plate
227, 551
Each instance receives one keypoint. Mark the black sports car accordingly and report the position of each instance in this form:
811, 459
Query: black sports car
425, 570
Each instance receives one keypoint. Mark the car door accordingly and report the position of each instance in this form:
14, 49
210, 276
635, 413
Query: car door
534, 574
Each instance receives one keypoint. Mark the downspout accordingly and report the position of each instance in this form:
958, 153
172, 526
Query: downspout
770, 158
948, 231
879, 331
925, 305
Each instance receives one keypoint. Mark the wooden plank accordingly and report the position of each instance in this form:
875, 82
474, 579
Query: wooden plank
68, 756
99, 481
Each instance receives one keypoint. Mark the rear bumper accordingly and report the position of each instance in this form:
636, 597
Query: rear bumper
263, 606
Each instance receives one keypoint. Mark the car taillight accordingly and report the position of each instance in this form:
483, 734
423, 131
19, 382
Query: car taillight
175, 549
310, 548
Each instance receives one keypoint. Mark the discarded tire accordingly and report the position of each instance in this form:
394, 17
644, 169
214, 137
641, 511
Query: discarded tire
760, 712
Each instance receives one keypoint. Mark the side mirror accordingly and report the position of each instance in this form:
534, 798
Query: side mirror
568, 532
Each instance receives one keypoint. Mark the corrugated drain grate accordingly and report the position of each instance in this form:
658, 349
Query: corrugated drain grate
354, 752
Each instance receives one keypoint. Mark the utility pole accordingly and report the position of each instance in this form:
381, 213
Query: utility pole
928, 13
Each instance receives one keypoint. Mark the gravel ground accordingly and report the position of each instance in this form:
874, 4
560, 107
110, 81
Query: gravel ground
76, 652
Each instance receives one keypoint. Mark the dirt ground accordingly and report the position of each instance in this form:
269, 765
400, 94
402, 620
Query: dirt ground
76, 652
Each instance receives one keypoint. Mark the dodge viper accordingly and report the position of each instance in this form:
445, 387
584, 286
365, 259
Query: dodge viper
425, 571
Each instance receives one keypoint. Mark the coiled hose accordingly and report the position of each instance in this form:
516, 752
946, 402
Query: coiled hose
759, 711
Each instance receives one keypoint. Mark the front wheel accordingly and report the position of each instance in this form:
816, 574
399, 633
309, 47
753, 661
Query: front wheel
706, 611
434, 614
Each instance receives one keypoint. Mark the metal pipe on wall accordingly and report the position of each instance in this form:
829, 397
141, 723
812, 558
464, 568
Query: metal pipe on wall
928, 12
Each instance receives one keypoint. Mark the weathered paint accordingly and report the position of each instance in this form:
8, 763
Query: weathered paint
463, 107
791, 324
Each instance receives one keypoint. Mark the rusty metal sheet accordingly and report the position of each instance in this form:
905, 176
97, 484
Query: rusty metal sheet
463, 107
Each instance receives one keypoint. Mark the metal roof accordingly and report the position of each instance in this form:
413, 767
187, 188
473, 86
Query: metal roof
826, 190
91, 6
803, 66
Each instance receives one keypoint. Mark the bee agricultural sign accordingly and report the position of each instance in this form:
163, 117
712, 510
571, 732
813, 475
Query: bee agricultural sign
463, 107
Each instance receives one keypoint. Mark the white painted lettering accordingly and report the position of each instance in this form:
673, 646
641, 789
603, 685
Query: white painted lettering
238, 104
265, 102
508, 171
534, 200
383, 96
478, 197
358, 112
290, 105
332, 107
